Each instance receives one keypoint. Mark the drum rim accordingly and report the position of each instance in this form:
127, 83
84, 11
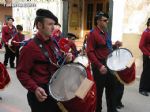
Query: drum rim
116, 50
79, 62
53, 76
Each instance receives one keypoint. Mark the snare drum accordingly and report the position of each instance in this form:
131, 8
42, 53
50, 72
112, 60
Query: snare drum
65, 82
82, 59
121, 61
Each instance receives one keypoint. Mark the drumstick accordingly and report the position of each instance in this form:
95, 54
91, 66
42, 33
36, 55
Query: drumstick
63, 61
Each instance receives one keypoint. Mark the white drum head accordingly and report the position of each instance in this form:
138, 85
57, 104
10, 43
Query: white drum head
66, 81
119, 59
82, 60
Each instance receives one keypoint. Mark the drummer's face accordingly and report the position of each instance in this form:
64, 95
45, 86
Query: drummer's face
103, 22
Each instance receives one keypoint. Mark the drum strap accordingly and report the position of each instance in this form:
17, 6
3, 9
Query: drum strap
44, 51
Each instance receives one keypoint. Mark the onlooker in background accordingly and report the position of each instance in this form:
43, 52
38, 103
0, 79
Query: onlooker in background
16, 41
144, 45
8, 32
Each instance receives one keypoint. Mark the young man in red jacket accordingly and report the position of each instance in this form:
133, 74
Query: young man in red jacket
8, 32
17, 40
99, 46
144, 46
35, 68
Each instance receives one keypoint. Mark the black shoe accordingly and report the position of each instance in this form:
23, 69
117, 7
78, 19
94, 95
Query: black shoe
144, 93
119, 106
12, 66
5, 65
116, 110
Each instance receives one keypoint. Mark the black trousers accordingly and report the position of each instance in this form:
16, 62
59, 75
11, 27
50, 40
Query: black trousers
9, 56
108, 82
119, 90
49, 105
17, 55
145, 77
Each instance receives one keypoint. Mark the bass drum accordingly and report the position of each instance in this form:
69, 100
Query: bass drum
121, 61
65, 82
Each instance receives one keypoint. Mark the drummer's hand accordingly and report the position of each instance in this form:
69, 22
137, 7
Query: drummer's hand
69, 57
103, 70
40, 94
6, 43
118, 43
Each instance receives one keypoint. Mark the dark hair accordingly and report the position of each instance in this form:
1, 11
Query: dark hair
19, 27
44, 13
58, 24
98, 16
148, 22
10, 18
38, 19
71, 36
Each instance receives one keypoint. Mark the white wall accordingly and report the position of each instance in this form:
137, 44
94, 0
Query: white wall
117, 22
129, 17
26, 15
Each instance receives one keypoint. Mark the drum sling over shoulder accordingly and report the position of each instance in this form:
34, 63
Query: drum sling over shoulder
45, 52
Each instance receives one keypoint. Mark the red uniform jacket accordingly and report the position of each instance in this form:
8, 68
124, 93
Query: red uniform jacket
30, 73
19, 37
144, 44
8, 33
97, 49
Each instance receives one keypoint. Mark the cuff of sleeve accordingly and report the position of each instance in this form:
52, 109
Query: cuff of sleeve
34, 88
100, 65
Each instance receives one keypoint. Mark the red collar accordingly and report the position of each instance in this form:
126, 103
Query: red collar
38, 35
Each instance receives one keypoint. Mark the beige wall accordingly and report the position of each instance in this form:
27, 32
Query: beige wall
131, 42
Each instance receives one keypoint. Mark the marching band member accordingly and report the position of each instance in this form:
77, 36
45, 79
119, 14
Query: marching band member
68, 44
38, 61
17, 40
99, 45
144, 45
8, 32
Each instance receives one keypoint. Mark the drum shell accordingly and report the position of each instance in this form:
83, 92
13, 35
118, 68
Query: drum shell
4, 76
88, 104
122, 63
126, 76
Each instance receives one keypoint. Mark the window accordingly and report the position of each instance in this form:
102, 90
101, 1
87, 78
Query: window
89, 16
